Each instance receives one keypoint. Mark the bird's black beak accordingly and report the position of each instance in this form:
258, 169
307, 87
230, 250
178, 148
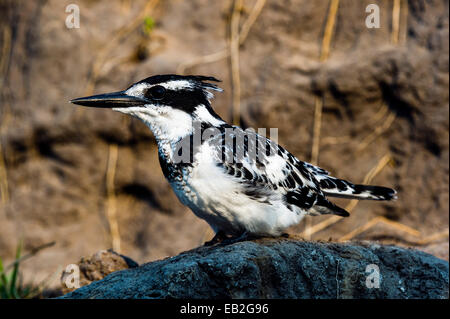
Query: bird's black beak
110, 100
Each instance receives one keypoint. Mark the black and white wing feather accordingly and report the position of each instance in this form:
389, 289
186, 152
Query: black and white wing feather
273, 170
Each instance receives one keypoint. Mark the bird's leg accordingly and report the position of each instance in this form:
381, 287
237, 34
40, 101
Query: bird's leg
219, 237
244, 236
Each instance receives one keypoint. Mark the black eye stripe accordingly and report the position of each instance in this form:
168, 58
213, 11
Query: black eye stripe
156, 92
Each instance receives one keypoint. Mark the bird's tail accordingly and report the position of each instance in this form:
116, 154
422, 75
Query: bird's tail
335, 187
323, 207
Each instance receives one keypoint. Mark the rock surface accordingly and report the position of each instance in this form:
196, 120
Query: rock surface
280, 268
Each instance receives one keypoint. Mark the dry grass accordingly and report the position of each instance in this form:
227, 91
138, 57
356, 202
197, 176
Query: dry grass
395, 37
371, 137
4, 65
111, 205
5, 54
98, 67
318, 102
382, 112
378, 131
225, 53
386, 124
377, 220
234, 61
420, 241
432, 238
119, 35
325, 51
333, 140
403, 33
4, 192
395, 21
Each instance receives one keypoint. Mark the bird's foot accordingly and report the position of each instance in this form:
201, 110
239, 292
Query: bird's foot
222, 239
243, 237
219, 237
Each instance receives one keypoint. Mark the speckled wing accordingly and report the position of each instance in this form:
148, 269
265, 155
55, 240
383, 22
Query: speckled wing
265, 168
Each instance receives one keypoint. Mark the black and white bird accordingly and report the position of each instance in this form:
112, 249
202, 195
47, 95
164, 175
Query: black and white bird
239, 182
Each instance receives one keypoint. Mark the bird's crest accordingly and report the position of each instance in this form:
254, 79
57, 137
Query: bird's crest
196, 81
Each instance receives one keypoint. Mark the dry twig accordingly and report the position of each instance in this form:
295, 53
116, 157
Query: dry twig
118, 36
405, 12
432, 238
376, 220
225, 53
3, 179
325, 50
379, 130
234, 61
395, 22
399, 226
395, 35
111, 208
4, 65
5, 56
379, 115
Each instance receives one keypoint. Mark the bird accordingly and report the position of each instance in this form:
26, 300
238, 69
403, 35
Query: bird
241, 183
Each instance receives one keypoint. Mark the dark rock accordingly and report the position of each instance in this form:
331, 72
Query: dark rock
280, 268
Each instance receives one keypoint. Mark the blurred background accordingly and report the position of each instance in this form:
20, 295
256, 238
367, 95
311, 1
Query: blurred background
367, 104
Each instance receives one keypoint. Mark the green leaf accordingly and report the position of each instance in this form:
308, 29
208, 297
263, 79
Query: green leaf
149, 24
13, 282
3, 282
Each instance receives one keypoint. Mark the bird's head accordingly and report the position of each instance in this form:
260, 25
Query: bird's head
168, 104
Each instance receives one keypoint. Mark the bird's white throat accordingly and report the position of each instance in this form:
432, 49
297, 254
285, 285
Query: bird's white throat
169, 124
166, 123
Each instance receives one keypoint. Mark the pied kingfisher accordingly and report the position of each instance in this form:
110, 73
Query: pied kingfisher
241, 183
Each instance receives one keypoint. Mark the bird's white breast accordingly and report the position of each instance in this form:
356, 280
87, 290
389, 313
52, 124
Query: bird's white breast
220, 199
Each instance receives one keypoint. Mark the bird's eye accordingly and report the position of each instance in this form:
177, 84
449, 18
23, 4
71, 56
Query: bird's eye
157, 92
